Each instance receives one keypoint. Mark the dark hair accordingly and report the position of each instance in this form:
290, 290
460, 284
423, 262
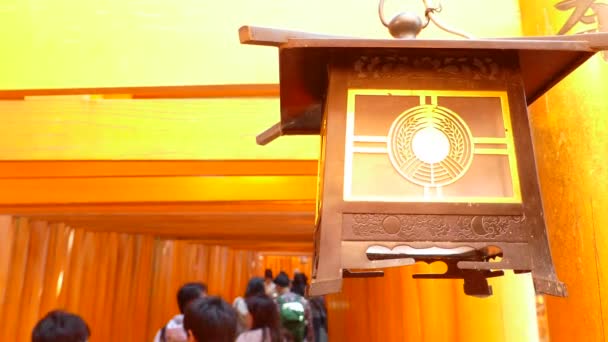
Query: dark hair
255, 287
265, 315
268, 273
282, 279
61, 326
210, 319
189, 292
300, 280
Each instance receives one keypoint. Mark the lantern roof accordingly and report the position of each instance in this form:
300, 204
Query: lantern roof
303, 60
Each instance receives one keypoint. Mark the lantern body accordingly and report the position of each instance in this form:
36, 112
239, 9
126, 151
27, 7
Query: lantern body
426, 151
427, 156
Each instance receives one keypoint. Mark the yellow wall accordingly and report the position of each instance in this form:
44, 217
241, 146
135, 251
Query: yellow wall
75, 44
570, 130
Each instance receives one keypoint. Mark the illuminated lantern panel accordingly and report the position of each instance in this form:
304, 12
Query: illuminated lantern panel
429, 146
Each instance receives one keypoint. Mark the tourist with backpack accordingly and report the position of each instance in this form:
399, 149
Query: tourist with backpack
255, 287
174, 331
319, 318
265, 321
317, 307
210, 319
294, 311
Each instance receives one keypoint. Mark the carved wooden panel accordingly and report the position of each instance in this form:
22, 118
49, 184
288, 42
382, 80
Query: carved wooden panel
383, 227
475, 68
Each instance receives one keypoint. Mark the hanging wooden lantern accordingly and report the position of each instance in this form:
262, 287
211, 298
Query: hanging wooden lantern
426, 150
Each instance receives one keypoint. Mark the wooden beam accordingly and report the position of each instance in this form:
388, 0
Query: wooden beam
176, 92
157, 189
275, 248
160, 207
155, 168
277, 227
249, 201
90, 128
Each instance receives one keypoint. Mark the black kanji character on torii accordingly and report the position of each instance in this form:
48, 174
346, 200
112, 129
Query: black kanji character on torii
587, 12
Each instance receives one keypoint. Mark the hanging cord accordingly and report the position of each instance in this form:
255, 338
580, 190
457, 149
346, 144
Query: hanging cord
381, 13
430, 15
430, 12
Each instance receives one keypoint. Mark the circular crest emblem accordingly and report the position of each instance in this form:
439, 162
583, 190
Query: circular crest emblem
430, 145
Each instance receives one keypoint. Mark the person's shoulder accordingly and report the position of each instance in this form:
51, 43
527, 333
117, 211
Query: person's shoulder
254, 335
176, 334
157, 336
297, 297
240, 305
292, 297
174, 330
177, 320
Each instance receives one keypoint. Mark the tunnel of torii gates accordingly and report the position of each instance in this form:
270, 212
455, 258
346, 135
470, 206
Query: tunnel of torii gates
129, 166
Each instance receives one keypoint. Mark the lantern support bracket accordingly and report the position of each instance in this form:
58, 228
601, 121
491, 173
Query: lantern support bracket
270, 134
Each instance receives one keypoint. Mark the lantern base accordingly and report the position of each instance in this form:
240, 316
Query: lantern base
474, 262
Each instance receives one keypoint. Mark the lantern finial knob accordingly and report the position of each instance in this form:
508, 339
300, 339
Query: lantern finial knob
405, 25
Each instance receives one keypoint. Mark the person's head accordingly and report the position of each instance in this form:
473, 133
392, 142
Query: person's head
264, 314
268, 275
299, 283
255, 287
61, 326
282, 281
189, 292
210, 319
300, 278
